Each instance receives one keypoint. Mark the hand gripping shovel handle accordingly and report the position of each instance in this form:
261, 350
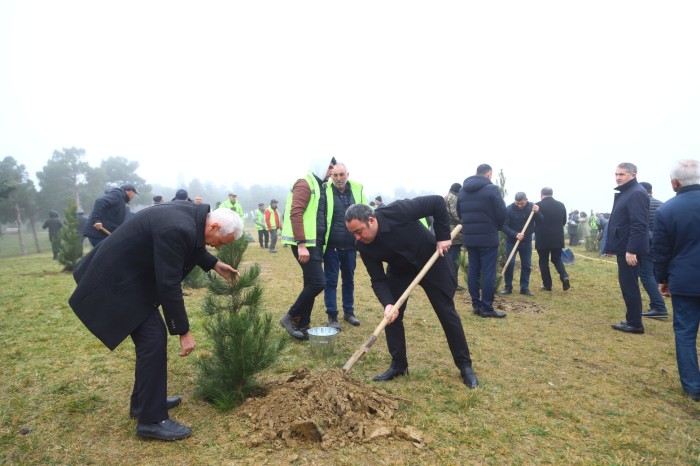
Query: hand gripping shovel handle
515, 248
105, 231
372, 338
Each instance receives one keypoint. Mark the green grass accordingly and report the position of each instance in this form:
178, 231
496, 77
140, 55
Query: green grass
557, 387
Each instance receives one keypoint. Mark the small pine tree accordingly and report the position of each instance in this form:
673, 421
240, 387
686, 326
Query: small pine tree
243, 338
71, 248
501, 236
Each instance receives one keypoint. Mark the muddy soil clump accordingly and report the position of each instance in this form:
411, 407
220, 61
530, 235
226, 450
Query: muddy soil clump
325, 408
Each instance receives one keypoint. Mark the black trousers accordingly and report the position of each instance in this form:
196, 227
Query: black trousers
314, 283
544, 256
263, 235
444, 308
628, 277
151, 376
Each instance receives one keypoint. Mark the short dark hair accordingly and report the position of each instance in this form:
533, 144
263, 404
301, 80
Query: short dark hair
546, 192
455, 187
646, 185
483, 169
520, 196
359, 212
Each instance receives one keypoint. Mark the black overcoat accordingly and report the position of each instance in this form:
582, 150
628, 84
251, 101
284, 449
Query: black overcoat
406, 245
549, 228
139, 267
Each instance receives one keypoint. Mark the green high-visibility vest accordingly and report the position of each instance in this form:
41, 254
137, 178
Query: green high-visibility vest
310, 214
358, 196
273, 222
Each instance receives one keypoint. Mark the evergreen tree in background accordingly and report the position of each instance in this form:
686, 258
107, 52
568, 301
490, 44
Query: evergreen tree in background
71, 248
243, 340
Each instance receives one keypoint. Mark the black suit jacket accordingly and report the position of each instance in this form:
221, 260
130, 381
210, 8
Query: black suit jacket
139, 267
549, 228
406, 245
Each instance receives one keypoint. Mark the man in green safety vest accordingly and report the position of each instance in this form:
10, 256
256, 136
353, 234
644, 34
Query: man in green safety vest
304, 229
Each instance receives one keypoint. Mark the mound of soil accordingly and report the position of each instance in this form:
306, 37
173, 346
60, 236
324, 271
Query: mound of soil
326, 408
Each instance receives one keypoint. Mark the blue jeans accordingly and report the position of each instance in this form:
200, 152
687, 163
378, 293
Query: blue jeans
343, 261
686, 317
525, 253
646, 275
482, 263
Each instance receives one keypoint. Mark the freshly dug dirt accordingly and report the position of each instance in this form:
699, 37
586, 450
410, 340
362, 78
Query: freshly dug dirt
325, 408
520, 306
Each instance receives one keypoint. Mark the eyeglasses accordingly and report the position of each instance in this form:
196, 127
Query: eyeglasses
342, 175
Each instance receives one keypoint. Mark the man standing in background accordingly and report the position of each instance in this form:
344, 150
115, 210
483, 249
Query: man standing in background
233, 204
676, 251
646, 264
263, 233
456, 248
109, 212
549, 239
483, 212
272, 222
628, 239
340, 256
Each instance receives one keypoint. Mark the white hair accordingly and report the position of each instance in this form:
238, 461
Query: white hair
686, 172
228, 220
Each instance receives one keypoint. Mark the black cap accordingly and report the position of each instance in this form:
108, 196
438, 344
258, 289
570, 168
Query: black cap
129, 187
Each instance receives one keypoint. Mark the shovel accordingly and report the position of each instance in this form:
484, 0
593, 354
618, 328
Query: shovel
515, 248
372, 338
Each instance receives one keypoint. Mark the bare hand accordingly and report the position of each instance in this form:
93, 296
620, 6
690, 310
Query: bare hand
664, 290
520, 236
535, 208
631, 259
97, 226
226, 271
443, 246
391, 313
187, 344
303, 254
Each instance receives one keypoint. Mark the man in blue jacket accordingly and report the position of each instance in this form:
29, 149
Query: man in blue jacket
516, 217
483, 211
108, 213
627, 238
676, 251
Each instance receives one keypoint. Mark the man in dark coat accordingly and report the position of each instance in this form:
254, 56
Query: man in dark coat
483, 212
646, 264
676, 251
108, 213
549, 238
54, 224
137, 268
395, 235
628, 236
517, 215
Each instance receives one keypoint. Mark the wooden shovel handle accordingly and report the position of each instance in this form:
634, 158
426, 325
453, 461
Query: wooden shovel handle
515, 248
399, 302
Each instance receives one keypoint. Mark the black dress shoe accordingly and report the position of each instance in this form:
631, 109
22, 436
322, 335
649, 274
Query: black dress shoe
492, 313
565, 284
163, 430
544, 288
527, 292
391, 373
351, 319
476, 310
469, 377
654, 314
506, 291
170, 402
625, 327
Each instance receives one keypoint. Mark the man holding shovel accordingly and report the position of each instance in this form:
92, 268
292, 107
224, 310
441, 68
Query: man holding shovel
394, 234
518, 228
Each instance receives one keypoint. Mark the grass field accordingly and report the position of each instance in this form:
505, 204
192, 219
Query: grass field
557, 386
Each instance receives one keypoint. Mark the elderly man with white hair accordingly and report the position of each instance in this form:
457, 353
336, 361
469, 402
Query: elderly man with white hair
676, 252
134, 271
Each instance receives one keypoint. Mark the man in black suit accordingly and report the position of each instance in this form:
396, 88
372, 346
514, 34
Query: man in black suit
549, 238
137, 268
395, 235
